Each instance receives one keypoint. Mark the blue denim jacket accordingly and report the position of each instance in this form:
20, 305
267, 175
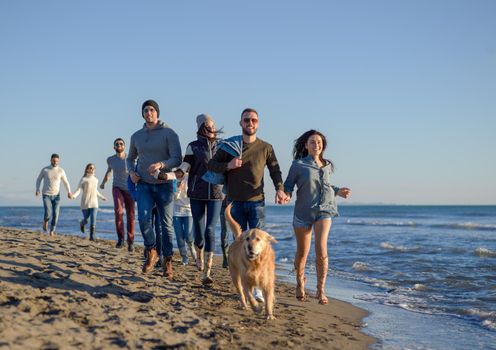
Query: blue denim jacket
314, 189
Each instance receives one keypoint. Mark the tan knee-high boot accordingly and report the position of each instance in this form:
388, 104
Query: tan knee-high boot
199, 260
192, 251
209, 258
300, 281
322, 266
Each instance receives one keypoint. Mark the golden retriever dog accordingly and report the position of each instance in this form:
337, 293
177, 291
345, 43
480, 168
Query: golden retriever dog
252, 264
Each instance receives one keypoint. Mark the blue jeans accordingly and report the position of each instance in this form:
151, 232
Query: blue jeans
223, 226
205, 231
51, 204
183, 231
157, 229
249, 214
91, 214
159, 195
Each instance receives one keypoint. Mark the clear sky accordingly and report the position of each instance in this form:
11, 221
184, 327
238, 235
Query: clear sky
404, 90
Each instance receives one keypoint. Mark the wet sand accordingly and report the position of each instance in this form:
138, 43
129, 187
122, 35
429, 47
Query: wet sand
67, 292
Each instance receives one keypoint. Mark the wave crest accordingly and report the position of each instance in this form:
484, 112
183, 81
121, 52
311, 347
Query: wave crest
485, 253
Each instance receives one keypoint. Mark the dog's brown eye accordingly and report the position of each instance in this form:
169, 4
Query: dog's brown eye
258, 239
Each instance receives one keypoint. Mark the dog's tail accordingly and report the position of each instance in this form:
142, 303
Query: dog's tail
235, 228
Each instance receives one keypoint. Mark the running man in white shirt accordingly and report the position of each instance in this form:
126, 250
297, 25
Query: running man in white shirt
51, 176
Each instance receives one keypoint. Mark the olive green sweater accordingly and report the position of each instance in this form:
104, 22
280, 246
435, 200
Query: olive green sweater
246, 183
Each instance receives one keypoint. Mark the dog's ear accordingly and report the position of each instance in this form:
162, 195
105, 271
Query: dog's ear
271, 239
243, 236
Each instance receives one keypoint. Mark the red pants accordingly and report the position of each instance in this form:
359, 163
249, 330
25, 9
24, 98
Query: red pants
123, 199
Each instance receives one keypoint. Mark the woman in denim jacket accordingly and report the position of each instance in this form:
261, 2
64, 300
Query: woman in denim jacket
314, 208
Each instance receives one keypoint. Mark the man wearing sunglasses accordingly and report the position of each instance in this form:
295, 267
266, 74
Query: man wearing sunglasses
122, 197
244, 176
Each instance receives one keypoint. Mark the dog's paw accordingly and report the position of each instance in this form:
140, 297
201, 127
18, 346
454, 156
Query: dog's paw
243, 307
270, 317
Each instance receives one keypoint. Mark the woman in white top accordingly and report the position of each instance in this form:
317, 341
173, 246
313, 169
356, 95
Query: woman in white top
89, 198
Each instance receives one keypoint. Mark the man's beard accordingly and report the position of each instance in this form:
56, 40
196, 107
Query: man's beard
249, 133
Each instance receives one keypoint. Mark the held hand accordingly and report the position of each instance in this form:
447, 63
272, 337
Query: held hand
179, 174
344, 192
234, 163
281, 197
154, 167
134, 177
288, 198
104, 198
102, 186
70, 196
37, 193
163, 176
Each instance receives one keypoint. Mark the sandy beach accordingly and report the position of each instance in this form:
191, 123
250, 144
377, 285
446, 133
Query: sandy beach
67, 292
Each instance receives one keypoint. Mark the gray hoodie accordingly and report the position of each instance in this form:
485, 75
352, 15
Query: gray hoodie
148, 146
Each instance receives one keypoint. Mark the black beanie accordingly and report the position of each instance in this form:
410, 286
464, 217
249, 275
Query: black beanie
150, 103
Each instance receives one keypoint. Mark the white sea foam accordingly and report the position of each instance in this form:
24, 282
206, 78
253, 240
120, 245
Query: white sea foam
381, 223
484, 252
489, 324
360, 266
482, 313
461, 225
419, 287
474, 226
389, 246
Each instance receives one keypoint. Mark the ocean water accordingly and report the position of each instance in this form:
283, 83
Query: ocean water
427, 274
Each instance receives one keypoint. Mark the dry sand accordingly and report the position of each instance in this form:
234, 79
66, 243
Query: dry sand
67, 292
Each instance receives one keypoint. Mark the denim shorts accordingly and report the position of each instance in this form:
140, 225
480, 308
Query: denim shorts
312, 217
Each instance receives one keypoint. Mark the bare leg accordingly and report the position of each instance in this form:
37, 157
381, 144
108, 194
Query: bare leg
303, 241
321, 228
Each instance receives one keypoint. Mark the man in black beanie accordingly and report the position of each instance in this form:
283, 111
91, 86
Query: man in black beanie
153, 148
150, 103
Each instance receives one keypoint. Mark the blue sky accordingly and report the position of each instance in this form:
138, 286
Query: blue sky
404, 90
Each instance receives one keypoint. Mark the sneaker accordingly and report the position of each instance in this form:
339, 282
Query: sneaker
257, 293
185, 260
81, 226
130, 247
45, 225
120, 243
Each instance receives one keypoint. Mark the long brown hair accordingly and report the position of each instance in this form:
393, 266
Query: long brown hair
300, 151
87, 166
203, 131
